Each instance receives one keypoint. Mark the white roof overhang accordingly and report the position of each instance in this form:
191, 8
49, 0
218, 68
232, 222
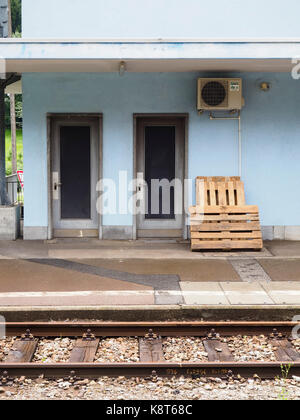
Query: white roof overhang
23, 55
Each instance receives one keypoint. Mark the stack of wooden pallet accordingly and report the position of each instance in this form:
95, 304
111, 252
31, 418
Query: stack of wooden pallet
221, 219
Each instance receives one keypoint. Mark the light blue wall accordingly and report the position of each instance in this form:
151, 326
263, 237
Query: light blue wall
160, 18
270, 121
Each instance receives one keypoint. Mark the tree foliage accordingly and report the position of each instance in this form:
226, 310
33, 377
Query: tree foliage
16, 15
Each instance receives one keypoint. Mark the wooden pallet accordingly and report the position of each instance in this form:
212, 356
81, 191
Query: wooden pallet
215, 191
221, 220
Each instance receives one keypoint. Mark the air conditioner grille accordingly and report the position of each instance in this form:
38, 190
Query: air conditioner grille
213, 93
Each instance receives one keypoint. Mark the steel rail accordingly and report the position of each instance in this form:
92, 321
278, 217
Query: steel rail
77, 371
139, 329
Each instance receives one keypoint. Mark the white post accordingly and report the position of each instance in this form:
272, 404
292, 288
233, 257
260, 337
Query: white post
12, 105
4, 200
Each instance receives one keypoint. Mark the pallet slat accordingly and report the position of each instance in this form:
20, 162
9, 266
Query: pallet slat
221, 194
226, 235
237, 210
231, 199
226, 244
219, 227
198, 219
241, 194
218, 178
212, 194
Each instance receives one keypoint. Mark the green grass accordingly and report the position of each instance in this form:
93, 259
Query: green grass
9, 153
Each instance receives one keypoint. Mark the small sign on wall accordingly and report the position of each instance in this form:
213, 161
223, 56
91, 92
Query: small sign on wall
21, 178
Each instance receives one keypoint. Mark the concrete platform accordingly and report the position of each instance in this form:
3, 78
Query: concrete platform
90, 278
93, 248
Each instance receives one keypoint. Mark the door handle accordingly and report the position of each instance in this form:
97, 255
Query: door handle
56, 185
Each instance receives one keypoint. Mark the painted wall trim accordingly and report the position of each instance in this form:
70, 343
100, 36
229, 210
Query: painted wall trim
35, 233
270, 233
117, 233
282, 233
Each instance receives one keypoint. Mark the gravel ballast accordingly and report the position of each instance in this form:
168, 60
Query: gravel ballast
184, 350
296, 344
54, 351
247, 349
160, 389
5, 346
118, 350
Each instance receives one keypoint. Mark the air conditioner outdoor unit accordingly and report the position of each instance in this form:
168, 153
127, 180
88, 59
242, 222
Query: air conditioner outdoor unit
220, 94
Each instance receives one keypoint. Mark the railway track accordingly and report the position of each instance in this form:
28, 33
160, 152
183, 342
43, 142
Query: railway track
220, 360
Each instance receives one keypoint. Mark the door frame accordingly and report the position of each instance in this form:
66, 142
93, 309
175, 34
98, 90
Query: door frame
72, 116
185, 118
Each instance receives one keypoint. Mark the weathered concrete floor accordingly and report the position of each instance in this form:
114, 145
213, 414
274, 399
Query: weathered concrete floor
93, 248
79, 273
